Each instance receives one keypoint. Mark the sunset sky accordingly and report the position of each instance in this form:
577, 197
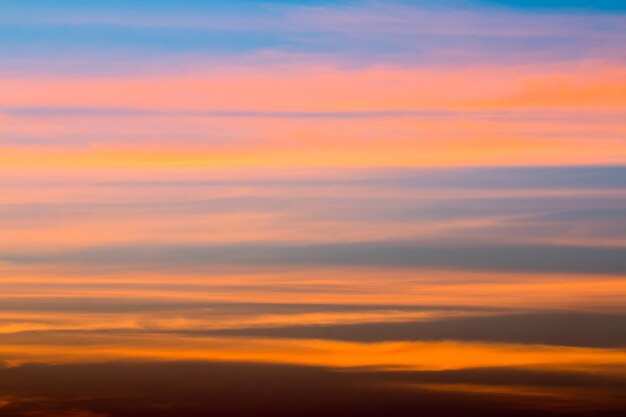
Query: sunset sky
312, 208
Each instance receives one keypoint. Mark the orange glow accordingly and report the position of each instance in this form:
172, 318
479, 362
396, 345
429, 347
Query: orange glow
328, 286
397, 355
488, 151
317, 207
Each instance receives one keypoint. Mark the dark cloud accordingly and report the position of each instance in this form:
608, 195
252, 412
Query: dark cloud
571, 329
497, 178
120, 304
493, 178
234, 389
388, 254
341, 207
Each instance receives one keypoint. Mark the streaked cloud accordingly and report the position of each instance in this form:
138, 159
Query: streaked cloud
322, 207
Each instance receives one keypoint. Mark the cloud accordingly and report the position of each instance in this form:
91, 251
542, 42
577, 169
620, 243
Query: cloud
205, 388
512, 258
544, 328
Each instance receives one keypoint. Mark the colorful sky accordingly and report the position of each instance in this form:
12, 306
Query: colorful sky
305, 208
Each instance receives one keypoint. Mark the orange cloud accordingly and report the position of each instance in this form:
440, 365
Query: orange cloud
437, 356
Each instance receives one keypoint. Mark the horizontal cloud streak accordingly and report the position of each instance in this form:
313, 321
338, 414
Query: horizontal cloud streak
324, 207
565, 329
581, 206
569, 259
501, 178
510, 115
324, 116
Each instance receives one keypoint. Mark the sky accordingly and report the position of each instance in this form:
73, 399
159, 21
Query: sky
320, 207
